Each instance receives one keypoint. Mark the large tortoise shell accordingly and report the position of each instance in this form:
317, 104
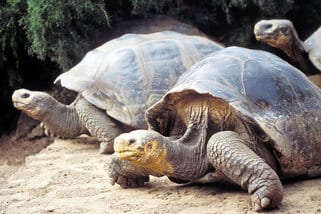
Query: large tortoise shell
126, 75
263, 90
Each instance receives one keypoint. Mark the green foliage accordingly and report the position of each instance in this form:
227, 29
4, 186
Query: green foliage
10, 13
11, 40
61, 30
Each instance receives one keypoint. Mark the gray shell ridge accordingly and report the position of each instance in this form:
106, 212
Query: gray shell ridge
126, 75
264, 88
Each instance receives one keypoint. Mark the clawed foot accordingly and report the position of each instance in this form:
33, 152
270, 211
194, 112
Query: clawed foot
266, 198
47, 131
126, 182
125, 174
106, 148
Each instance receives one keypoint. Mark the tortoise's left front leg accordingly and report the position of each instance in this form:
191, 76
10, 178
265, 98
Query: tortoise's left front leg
126, 174
99, 125
230, 155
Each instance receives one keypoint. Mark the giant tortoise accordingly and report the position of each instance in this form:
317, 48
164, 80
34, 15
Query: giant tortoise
280, 33
116, 82
239, 115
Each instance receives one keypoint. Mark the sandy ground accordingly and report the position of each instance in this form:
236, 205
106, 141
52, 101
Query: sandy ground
69, 176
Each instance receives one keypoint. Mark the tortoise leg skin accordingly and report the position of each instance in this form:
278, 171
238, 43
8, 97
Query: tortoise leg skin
230, 155
99, 125
125, 174
213, 177
314, 171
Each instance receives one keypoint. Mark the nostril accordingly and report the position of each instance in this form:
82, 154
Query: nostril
25, 95
131, 141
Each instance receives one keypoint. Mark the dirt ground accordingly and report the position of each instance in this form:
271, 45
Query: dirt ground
69, 176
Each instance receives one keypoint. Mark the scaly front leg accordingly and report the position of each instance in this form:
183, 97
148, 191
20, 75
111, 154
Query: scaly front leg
99, 125
230, 155
125, 174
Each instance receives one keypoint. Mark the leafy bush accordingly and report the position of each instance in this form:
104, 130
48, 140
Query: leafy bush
10, 34
62, 30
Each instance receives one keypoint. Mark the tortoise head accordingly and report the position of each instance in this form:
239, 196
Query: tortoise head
144, 148
278, 33
33, 103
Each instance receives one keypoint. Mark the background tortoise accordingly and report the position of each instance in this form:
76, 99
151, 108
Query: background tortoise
137, 25
122, 77
280, 33
241, 116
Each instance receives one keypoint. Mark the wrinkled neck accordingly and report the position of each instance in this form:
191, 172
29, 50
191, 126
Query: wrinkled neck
189, 162
188, 153
295, 50
63, 120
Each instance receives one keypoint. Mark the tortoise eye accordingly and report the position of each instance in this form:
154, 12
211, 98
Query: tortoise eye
149, 146
25, 95
131, 141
